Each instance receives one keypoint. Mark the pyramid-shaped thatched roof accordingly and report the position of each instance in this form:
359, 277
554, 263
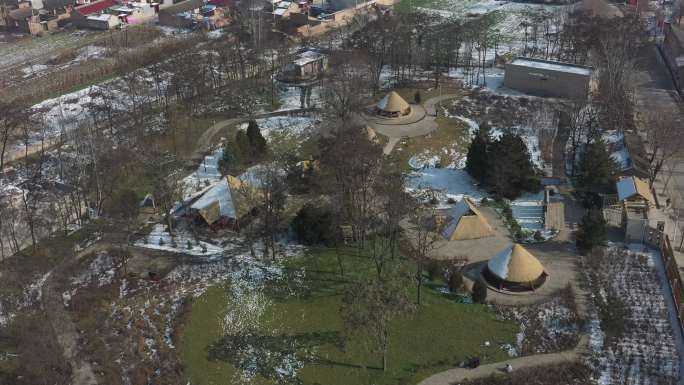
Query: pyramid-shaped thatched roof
223, 200
466, 222
393, 103
516, 265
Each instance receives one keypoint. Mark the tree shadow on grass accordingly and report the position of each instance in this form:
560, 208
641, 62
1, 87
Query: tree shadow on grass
277, 357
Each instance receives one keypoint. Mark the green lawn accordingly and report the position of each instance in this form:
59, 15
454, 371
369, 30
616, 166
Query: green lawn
451, 138
303, 318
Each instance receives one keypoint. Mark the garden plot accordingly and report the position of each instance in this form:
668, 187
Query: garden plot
547, 327
631, 336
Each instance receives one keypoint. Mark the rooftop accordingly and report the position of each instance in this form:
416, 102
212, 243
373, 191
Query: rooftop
552, 66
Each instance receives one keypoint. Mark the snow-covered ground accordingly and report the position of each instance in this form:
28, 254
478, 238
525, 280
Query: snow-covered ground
64, 113
645, 352
180, 242
528, 210
206, 174
290, 97
545, 327
442, 184
288, 125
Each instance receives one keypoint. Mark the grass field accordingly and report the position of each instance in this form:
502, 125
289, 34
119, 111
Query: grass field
449, 142
303, 319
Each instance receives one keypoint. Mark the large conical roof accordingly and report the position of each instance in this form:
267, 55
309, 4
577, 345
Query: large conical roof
393, 103
515, 264
466, 223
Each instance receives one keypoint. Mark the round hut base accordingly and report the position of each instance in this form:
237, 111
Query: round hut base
517, 287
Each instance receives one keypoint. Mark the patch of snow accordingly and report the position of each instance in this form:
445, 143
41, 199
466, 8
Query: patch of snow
442, 184
33, 69
181, 242
291, 125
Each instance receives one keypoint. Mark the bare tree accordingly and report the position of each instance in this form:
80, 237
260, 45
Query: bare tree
664, 140
12, 117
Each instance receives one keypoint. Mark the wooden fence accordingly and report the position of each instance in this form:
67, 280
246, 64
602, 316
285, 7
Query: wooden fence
673, 277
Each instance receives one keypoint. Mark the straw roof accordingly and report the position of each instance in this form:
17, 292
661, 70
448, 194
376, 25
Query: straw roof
393, 103
224, 200
467, 222
515, 264
634, 187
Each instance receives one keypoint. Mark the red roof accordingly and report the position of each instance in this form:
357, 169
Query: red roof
221, 3
95, 6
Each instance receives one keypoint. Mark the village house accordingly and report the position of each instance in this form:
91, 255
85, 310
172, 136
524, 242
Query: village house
192, 14
636, 198
307, 65
223, 205
548, 78
94, 15
134, 13
33, 16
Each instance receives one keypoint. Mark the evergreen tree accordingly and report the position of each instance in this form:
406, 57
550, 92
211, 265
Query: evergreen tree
479, 291
257, 142
314, 226
591, 231
231, 155
477, 162
597, 171
242, 146
510, 169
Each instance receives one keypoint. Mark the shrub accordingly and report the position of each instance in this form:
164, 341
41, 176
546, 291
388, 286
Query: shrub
451, 201
591, 231
189, 245
484, 201
314, 226
435, 269
416, 97
161, 241
455, 281
479, 291
538, 236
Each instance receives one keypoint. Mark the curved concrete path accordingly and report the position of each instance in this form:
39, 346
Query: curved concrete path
455, 376
423, 123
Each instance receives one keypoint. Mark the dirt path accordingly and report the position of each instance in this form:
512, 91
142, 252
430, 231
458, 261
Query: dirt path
455, 376
60, 319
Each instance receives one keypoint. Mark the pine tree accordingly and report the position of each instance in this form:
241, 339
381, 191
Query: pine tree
243, 149
591, 231
256, 141
477, 161
510, 169
597, 170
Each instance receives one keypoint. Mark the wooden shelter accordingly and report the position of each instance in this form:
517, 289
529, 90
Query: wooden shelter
465, 221
392, 106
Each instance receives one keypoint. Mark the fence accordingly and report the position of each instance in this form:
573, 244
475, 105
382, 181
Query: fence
674, 278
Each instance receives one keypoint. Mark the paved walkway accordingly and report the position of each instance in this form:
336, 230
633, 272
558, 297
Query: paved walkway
420, 123
457, 375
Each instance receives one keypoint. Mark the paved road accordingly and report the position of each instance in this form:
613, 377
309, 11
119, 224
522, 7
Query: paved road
456, 375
